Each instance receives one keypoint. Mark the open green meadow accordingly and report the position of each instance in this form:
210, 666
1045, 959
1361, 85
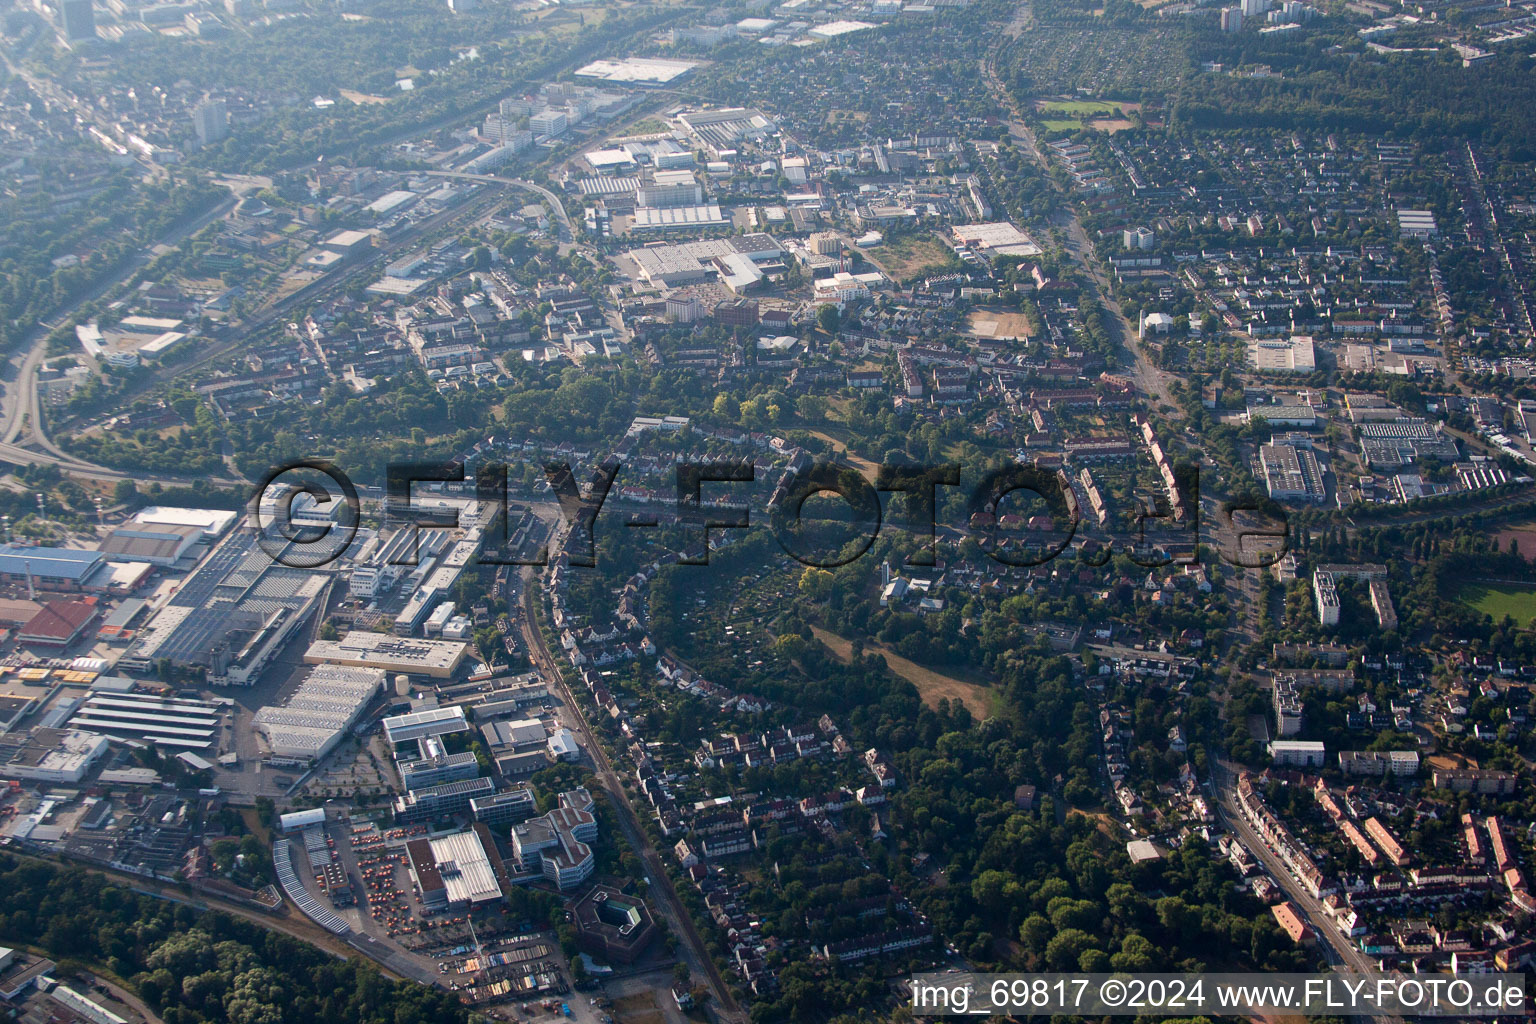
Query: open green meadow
1501, 599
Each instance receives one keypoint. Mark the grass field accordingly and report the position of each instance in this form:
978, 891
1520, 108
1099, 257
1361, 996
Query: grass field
899, 257
1082, 108
931, 685
1069, 115
1076, 107
1501, 599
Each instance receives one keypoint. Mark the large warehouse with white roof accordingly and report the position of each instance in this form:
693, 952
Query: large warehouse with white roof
310, 723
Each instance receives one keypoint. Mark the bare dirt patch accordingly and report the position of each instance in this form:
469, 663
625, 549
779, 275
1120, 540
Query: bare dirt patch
931, 686
866, 468
638, 1009
999, 323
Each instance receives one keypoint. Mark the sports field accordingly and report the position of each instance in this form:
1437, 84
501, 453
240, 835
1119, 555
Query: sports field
1501, 599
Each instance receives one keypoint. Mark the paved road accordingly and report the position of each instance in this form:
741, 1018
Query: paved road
692, 948
21, 423
128, 999
1151, 381
1339, 951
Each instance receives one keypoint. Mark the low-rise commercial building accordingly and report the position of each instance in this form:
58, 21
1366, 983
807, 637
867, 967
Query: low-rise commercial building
439, 659
56, 755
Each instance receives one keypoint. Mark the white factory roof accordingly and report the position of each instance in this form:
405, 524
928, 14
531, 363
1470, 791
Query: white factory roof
191, 760
392, 653
563, 743
602, 159
168, 340
649, 217
514, 734
167, 722
148, 324
675, 177
347, 239
295, 820
212, 521
740, 271
1000, 237
398, 285
326, 704
833, 29
1283, 355
432, 722
75, 751
465, 868
128, 776
637, 69
390, 201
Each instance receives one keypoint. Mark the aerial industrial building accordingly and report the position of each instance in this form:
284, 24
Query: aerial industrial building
49, 568
430, 764
420, 725
163, 545
439, 659
56, 755
556, 843
458, 870
231, 616
213, 522
1292, 473
310, 723
670, 266
1282, 355
637, 70
998, 239
520, 734
60, 623
505, 808
724, 128
425, 805
171, 722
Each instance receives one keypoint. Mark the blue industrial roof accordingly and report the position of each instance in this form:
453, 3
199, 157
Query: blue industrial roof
58, 563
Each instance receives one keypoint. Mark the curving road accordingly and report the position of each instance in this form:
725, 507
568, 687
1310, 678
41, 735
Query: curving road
21, 420
491, 179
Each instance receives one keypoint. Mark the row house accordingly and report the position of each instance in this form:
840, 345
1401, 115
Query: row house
878, 944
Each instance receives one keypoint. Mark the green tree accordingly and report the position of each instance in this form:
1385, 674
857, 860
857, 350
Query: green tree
828, 318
